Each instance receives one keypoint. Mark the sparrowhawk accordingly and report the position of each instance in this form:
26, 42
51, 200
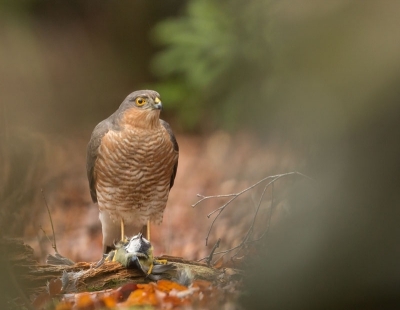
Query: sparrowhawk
132, 159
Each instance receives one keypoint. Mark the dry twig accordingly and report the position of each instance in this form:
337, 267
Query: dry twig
209, 257
247, 238
53, 244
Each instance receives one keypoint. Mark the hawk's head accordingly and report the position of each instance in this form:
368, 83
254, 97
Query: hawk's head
145, 100
141, 108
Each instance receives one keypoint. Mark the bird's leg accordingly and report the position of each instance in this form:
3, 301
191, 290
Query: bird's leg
148, 230
122, 230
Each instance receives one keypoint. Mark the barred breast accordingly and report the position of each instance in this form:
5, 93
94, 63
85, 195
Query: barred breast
133, 173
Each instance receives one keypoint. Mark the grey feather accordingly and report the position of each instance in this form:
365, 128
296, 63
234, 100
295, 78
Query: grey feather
184, 277
161, 268
59, 260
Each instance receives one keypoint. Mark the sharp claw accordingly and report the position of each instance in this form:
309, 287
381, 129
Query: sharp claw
109, 257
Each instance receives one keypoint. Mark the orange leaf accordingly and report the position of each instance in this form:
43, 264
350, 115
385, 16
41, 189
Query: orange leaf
144, 296
109, 302
64, 305
167, 286
84, 301
145, 287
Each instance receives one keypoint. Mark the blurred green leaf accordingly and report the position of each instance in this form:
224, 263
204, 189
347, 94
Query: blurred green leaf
210, 53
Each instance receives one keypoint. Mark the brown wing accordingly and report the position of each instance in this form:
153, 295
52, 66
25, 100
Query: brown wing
176, 148
92, 152
110, 123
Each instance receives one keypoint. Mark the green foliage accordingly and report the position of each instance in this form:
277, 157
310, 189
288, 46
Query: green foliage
214, 62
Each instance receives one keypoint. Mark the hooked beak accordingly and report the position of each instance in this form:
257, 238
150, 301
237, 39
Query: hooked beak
158, 104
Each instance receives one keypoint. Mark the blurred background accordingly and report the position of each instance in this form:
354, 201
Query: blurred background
251, 89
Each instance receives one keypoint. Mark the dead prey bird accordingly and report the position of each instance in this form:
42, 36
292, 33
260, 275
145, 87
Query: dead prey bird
137, 253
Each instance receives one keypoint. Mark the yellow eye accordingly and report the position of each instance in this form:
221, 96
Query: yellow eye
140, 101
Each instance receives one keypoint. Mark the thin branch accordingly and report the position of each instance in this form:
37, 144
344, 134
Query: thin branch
53, 245
209, 257
211, 226
247, 189
40, 226
269, 216
208, 197
250, 231
245, 240
236, 195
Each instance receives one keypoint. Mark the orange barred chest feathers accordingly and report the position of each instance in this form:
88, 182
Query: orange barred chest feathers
133, 174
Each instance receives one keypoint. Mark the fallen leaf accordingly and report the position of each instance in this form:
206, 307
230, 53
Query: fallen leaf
64, 306
109, 302
84, 301
167, 286
124, 291
55, 286
144, 295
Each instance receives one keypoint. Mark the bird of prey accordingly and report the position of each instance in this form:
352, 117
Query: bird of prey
132, 159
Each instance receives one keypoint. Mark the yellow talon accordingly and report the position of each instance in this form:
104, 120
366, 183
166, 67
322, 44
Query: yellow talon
161, 261
111, 257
